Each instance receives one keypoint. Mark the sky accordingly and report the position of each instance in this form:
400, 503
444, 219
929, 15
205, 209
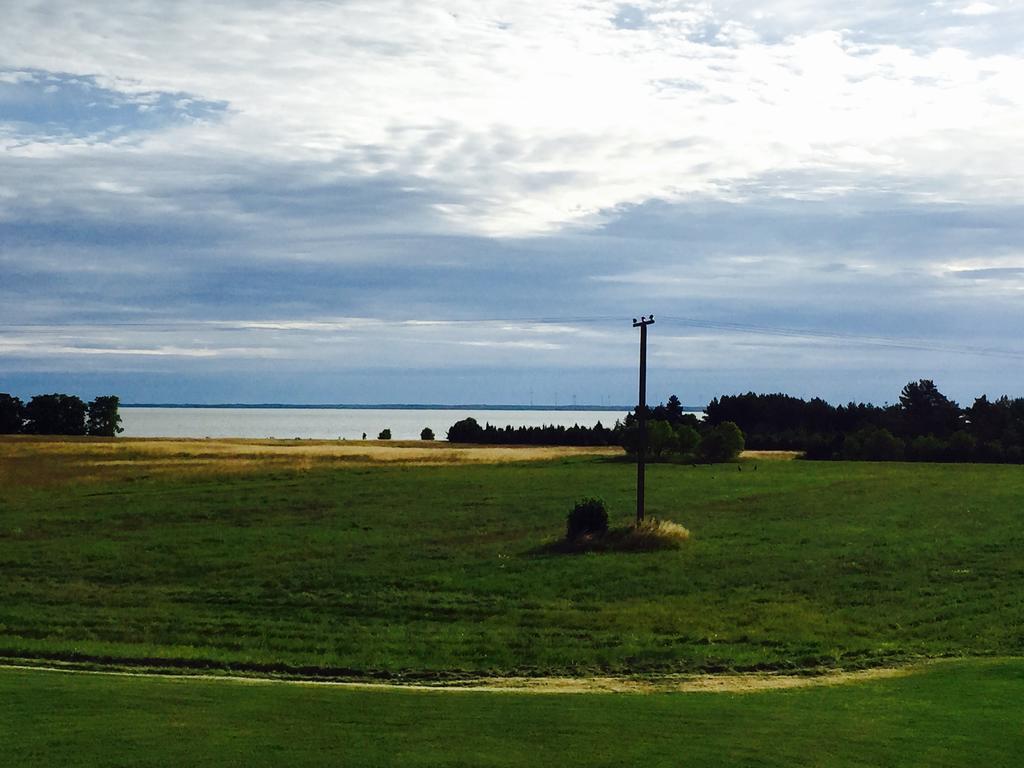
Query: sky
469, 201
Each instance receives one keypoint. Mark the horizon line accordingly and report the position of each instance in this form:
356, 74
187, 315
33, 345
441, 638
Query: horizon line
400, 406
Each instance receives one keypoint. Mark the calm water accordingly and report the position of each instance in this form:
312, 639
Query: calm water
333, 423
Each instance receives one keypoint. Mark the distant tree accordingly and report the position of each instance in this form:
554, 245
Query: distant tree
686, 439
674, 410
467, 430
11, 414
385, 434
55, 415
104, 420
926, 411
721, 443
927, 448
962, 446
660, 438
873, 444
427, 434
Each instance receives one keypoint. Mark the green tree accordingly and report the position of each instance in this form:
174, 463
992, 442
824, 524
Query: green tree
873, 444
962, 446
385, 434
427, 434
722, 443
467, 430
660, 438
674, 410
687, 439
926, 411
11, 414
55, 415
104, 420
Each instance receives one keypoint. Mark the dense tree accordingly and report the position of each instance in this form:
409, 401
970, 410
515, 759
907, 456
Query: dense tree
686, 439
660, 438
926, 411
427, 434
724, 442
924, 425
55, 415
11, 414
873, 444
385, 434
467, 430
103, 418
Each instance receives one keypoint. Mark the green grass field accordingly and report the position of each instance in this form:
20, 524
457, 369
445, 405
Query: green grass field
419, 571
295, 561
952, 715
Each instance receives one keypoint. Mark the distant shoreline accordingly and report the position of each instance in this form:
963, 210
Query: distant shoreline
393, 406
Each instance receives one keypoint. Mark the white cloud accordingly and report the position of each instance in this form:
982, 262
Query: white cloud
537, 117
977, 9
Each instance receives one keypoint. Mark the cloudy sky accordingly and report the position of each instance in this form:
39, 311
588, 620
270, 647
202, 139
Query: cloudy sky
468, 200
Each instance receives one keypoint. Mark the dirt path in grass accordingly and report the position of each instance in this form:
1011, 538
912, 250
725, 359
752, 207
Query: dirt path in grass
718, 683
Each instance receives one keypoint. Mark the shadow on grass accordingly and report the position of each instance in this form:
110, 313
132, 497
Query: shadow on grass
650, 536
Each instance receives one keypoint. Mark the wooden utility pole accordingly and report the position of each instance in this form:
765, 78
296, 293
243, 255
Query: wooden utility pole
641, 414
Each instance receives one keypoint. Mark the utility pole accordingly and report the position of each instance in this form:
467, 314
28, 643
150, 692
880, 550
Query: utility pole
641, 414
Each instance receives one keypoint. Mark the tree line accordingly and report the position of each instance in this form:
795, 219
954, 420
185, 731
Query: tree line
468, 430
671, 433
924, 425
59, 414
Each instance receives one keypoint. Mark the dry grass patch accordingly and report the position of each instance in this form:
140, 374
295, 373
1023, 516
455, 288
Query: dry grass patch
42, 461
650, 536
772, 455
656, 534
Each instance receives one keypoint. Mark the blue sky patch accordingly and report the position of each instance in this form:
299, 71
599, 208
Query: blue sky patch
36, 103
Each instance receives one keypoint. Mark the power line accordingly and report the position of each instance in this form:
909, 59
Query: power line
300, 325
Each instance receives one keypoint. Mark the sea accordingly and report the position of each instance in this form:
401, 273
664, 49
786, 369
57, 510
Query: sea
341, 422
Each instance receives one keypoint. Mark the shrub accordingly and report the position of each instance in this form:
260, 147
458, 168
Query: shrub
385, 434
588, 517
427, 434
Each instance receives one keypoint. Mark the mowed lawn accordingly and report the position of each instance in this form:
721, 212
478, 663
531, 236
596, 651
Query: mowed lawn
951, 714
401, 570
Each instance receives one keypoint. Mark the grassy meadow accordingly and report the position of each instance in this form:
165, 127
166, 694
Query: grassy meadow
320, 560
945, 715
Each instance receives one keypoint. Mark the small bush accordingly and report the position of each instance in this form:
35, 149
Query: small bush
385, 434
588, 518
427, 434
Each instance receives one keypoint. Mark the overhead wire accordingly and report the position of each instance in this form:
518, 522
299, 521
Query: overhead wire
890, 342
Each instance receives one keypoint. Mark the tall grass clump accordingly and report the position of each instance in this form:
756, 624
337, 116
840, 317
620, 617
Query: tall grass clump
653, 534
